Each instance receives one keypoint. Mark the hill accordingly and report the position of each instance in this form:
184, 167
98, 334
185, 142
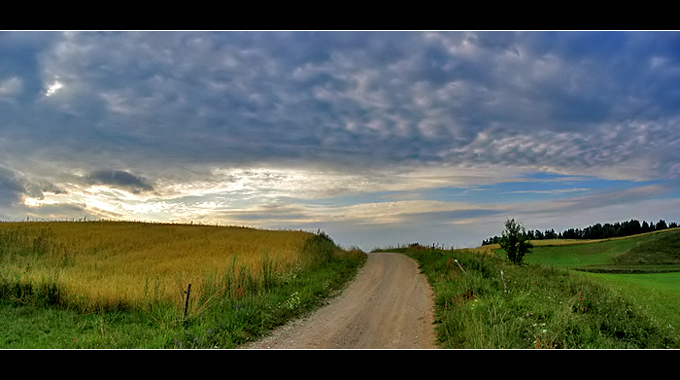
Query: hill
664, 250
644, 267
651, 252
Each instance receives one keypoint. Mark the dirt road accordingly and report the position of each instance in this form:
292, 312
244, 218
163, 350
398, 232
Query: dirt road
388, 306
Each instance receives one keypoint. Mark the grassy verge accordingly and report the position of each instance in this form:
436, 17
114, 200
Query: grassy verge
235, 302
29, 326
233, 321
494, 304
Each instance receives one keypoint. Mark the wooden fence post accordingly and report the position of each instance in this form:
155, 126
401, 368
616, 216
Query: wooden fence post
186, 301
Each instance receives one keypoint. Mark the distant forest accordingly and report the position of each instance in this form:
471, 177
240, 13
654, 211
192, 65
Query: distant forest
596, 231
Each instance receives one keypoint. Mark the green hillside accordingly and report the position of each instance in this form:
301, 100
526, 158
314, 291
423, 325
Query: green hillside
645, 253
644, 268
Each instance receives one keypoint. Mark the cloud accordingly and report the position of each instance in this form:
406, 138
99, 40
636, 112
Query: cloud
15, 185
11, 188
343, 98
121, 179
308, 126
21, 197
601, 199
10, 87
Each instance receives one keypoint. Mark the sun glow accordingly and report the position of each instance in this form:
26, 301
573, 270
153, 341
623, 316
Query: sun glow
37, 202
54, 87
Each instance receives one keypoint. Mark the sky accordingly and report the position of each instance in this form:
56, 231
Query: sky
378, 138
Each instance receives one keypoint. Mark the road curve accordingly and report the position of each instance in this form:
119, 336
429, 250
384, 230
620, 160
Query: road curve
388, 306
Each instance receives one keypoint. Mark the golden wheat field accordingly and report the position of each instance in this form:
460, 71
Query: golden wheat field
97, 264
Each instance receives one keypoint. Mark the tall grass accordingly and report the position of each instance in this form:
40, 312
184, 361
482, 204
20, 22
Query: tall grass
103, 265
491, 303
134, 277
233, 321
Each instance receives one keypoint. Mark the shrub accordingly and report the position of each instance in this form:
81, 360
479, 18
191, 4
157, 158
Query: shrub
514, 241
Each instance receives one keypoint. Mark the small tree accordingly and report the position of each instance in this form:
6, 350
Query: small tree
514, 241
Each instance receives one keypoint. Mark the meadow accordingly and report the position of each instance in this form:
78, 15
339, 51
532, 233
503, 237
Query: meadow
569, 294
126, 284
615, 253
645, 268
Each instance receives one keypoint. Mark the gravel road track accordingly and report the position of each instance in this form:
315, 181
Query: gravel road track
388, 306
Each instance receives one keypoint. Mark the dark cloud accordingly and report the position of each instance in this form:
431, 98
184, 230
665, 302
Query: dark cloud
14, 186
121, 179
11, 188
355, 98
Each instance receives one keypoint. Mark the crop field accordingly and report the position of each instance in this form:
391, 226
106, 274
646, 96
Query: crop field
95, 265
126, 284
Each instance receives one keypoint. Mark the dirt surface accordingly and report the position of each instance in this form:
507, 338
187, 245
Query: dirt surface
388, 306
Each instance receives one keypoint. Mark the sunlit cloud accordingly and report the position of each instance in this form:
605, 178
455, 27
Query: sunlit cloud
53, 88
37, 202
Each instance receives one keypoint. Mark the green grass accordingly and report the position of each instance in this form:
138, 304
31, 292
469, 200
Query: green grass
658, 293
232, 322
27, 326
645, 268
533, 305
582, 255
236, 304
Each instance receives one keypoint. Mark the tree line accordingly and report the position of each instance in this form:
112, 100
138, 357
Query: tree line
595, 231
